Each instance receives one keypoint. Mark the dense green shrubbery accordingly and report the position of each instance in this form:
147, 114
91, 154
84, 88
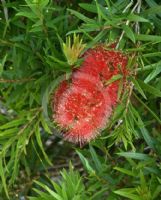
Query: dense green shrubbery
125, 161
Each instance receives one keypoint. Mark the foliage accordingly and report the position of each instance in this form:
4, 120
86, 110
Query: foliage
125, 161
71, 187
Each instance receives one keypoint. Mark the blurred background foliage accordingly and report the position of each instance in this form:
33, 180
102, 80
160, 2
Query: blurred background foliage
35, 163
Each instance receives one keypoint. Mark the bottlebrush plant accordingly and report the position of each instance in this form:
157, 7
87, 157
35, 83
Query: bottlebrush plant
89, 70
83, 105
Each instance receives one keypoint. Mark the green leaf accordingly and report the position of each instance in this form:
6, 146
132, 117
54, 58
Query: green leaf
38, 138
81, 16
45, 125
147, 55
152, 10
2, 174
125, 171
44, 3
86, 163
149, 67
113, 79
29, 15
144, 131
152, 4
51, 192
133, 155
144, 37
151, 111
147, 137
13, 123
150, 89
157, 192
129, 33
153, 74
46, 95
8, 133
95, 159
99, 37
138, 87
42, 196
89, 7
60, 62
127, 192
136, 18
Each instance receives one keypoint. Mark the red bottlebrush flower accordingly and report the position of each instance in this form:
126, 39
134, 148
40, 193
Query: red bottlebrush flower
83, 112
57, 96
83, 107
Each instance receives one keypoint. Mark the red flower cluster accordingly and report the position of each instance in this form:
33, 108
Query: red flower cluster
83, 106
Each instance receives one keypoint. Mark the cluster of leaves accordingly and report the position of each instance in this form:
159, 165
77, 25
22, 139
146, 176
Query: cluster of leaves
123, 163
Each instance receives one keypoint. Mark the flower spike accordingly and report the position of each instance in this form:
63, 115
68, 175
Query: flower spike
73, 51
